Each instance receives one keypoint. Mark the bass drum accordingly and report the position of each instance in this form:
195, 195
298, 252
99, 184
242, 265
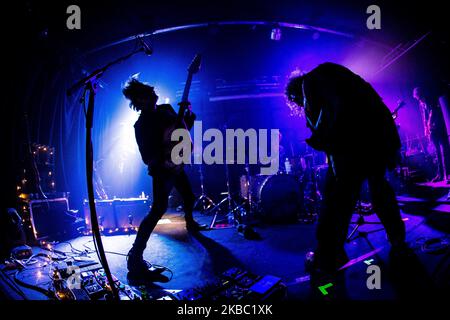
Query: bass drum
278, 198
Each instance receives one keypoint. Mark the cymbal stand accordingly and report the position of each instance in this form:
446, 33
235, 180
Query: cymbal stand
362, 210
249, 189
227, 205
203, 199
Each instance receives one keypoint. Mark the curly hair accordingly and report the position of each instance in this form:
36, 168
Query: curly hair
294, 93
136, 89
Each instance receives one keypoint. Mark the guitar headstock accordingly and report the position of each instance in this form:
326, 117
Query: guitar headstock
400, 103
194, 67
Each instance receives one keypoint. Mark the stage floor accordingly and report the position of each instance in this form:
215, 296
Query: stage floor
196, 259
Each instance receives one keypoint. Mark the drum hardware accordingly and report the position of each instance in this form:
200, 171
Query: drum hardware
362, 209
246, 187
203, 199
313, 184
227, 205
278, 198
249, 186
235, 213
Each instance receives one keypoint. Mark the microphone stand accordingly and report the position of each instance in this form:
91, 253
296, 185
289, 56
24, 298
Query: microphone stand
90, 87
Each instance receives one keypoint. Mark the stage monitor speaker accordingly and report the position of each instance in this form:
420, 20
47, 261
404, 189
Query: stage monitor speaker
49, 217
12, 233
105, 214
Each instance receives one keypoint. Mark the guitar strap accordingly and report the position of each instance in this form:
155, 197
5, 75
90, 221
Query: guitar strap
314, 126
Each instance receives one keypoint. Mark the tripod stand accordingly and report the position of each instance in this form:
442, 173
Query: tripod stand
362, 209
203, 199
248, 196
227, 205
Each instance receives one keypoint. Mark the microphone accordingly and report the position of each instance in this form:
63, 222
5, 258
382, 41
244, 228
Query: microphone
145, 47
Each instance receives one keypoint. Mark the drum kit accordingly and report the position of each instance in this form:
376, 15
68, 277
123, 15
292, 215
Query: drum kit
292, 195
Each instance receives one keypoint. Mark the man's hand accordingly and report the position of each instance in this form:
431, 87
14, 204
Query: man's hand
186, 105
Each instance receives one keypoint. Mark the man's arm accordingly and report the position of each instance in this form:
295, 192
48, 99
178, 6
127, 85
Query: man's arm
189, 119
321, 111
146, 140
188, 116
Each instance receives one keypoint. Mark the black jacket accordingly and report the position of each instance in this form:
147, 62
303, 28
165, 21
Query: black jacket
355, 122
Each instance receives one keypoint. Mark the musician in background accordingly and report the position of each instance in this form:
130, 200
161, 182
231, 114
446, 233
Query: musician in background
150, 131
352, 125
435, 130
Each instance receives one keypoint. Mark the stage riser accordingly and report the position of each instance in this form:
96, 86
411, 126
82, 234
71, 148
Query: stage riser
118, 213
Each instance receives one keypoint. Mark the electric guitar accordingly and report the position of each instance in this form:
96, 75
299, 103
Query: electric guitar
193, 68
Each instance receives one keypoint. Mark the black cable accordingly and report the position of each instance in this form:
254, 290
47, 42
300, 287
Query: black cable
426, 244
32, 287
13, 285
71, 246
77, 252
165, 269
64, 256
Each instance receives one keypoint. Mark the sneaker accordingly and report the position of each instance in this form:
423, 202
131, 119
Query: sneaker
136, 264
136, 279
141, 271
248, 232
311, 264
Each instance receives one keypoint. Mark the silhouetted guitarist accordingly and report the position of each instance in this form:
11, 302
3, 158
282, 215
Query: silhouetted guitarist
352, 125
435, 131
151, 129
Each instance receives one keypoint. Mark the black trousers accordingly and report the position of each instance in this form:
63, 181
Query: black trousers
440, 139
163, 182
342, 190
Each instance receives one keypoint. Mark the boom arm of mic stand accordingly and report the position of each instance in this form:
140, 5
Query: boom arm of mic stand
89, 83
99, 72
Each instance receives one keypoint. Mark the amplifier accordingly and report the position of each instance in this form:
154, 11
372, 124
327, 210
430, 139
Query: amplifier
120, 213
130, 212
48, 217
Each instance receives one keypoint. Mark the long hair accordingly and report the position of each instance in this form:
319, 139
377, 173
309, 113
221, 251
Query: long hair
136, 89
294, 93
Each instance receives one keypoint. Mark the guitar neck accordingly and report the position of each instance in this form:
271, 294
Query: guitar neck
185, 96
397, 109
187, 88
